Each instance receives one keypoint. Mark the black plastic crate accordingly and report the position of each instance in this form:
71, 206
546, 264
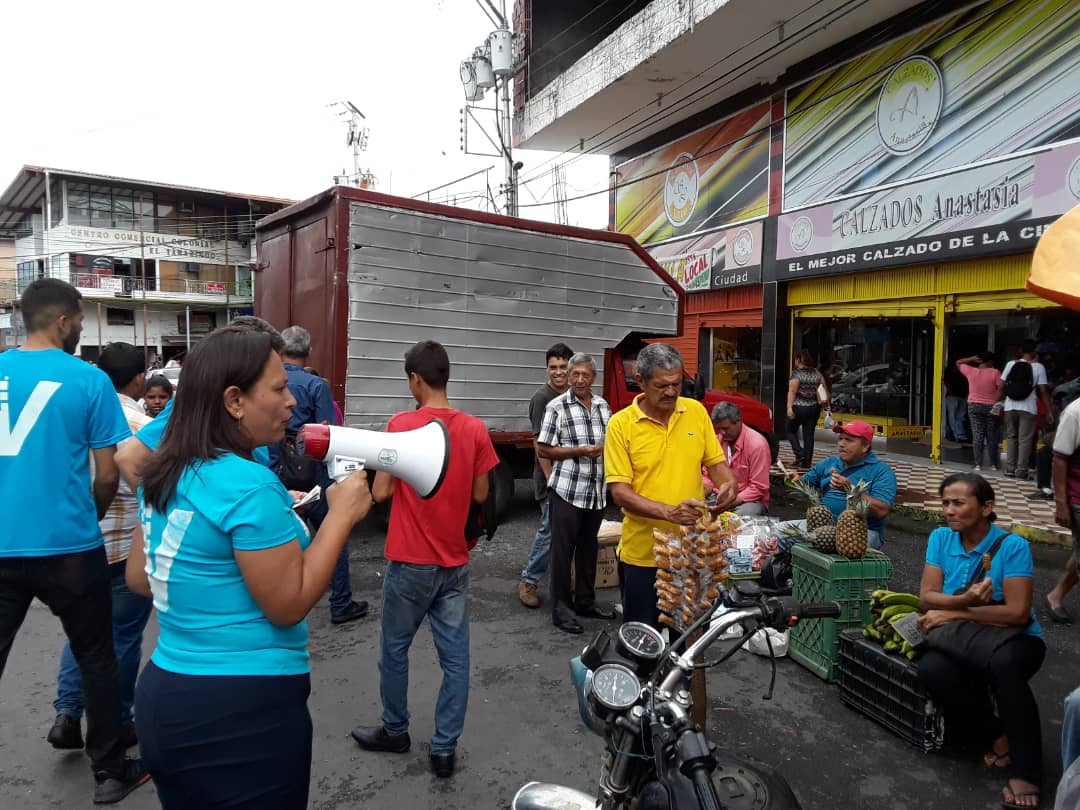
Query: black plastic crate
886, 688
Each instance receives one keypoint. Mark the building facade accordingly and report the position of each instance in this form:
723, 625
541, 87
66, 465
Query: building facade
867, 184
158, 265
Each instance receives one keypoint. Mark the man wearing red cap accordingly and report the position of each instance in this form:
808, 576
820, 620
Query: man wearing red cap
854, 462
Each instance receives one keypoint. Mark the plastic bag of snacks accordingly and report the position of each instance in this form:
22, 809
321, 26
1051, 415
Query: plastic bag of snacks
691, 565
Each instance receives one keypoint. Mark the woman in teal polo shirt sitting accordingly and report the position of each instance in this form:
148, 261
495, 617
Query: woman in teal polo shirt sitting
1002, 600
222, 705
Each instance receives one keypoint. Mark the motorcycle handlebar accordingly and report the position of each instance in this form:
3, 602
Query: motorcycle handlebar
820, 610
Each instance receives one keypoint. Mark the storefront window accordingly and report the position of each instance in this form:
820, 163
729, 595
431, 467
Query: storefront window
736, 360
879, 369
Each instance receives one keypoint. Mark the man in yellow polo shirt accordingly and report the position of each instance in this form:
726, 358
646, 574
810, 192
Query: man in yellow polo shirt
653, 454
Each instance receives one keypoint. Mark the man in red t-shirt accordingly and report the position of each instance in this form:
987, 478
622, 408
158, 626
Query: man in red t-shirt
428, 569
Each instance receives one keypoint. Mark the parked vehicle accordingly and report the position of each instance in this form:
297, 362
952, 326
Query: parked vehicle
634, 691
369, 274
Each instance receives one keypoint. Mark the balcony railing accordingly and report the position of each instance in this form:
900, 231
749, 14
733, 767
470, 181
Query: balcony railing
127, 286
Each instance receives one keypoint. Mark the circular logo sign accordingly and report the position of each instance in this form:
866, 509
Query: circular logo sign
909, 105
802, 233
681, 189
1074, 178
388, 457
742, 247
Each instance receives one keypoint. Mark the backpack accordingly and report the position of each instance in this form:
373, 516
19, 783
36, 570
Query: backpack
1020, 382
296, 470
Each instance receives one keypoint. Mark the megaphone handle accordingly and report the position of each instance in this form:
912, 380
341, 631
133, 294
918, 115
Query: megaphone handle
339, 467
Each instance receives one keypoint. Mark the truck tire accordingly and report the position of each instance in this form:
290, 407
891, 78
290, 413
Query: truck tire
774, 444
503, 488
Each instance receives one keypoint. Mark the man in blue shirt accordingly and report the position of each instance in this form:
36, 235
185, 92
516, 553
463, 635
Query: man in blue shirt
314, 404
55, 413
854, 462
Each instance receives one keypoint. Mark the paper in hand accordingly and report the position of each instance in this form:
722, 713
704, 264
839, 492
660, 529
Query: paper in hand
313, 495
907, 627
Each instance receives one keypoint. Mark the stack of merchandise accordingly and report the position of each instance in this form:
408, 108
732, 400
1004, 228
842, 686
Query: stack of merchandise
691, 566
739, 561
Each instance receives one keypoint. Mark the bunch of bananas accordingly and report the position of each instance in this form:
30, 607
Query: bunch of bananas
886, 608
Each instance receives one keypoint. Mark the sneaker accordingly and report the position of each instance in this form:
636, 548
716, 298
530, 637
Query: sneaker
110, 788
976, 468
355, 610
1041, 495
1010, 475
527, 594
66, 733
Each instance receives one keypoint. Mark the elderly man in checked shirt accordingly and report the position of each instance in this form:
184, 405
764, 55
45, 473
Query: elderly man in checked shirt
572, 438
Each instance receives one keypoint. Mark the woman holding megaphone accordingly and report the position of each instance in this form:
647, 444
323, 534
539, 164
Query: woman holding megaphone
222, 704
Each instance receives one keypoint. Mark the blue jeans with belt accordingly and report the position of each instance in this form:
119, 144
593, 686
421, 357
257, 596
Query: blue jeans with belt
411, 592
130, 613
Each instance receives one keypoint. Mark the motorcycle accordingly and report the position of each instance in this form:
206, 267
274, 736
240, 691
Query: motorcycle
634, 691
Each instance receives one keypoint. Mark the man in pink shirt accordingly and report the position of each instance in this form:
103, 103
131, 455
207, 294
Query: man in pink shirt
748, 456
984, 390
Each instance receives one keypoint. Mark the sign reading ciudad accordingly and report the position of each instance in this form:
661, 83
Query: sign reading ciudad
730, 257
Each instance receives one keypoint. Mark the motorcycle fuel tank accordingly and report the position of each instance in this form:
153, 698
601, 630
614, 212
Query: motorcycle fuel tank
546, 796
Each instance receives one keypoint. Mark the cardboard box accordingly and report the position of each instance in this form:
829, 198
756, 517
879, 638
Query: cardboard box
607, 566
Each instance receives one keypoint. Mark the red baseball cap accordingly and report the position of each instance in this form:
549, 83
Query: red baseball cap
856, 428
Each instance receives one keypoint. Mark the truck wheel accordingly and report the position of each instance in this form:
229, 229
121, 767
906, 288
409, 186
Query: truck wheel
774, 444
503, 486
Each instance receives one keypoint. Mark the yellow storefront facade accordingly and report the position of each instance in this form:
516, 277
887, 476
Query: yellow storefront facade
885, 339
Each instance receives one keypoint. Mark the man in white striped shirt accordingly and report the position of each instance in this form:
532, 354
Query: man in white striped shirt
572, 438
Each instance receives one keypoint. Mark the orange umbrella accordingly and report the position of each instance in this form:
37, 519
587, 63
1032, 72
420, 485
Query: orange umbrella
1055, 267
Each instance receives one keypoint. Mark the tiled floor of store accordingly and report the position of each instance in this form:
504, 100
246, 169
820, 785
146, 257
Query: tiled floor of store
917, 484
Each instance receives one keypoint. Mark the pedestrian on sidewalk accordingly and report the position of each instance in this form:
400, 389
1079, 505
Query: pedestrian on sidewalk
537, 564
984, 387
804, 407
956, 398
130, 611
962, 680
51, 547
1067, 504
427, 569
1024, 384
572, 439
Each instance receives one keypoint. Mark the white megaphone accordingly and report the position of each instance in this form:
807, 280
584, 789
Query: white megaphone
418, 457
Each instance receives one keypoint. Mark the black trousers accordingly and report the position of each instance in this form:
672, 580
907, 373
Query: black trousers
573, 539
806, 417
637, 586
964, 693
216, 741
77, 588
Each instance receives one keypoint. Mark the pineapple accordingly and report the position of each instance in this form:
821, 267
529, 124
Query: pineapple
817, 516
851, 531
824, 539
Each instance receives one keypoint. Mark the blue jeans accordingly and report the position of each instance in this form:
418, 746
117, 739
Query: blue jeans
340, 582
955, 408
411, 592
537, 565
130, 612
1070, 729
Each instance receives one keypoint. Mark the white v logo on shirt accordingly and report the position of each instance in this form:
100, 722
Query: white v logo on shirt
11, 441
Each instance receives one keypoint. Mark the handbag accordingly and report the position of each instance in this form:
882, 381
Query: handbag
295, 470
829, 422
968, 641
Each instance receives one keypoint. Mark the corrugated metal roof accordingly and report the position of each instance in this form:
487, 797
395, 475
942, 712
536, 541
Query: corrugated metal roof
25, 193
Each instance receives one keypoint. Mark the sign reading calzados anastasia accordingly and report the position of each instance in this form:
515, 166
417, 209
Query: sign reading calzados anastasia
1000, 207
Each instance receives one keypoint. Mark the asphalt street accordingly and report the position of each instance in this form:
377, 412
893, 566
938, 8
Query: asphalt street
522, 723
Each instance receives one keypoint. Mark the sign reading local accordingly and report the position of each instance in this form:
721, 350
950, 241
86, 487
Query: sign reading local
996, 208
729, 257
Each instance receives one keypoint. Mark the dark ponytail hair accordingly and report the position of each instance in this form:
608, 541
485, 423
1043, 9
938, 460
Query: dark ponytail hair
200, 428
980, 489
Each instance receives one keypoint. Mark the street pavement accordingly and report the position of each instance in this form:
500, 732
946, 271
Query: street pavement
522, 723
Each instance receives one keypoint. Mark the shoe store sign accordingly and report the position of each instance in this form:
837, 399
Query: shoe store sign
997, 208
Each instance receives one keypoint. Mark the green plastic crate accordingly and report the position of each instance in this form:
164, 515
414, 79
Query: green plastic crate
832, 578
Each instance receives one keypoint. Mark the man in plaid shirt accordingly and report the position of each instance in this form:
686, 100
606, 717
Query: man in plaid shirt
572, 438
125, 366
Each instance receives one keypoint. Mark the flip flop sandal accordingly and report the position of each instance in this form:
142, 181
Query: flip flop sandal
992, 760
1012, 804
1059, 614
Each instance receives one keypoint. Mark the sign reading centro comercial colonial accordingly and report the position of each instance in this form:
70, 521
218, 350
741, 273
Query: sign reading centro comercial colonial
1000, 207
163, 246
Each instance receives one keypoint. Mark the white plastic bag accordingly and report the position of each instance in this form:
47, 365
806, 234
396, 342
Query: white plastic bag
829, 422
759, 646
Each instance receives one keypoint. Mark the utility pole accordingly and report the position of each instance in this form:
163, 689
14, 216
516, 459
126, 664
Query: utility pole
357, 137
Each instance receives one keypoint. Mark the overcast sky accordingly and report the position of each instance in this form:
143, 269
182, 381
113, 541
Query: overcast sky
234, 94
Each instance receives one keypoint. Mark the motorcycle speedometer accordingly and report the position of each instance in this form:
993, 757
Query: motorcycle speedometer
615, 687
641, 641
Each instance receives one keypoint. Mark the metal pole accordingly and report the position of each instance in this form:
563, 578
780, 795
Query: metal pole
99, 328
187, 329
142, 271
507, 148
48, 223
